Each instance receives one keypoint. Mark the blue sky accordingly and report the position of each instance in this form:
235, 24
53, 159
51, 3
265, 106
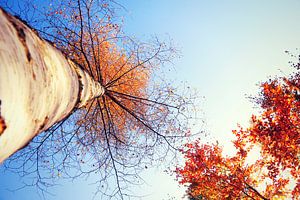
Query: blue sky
227, 47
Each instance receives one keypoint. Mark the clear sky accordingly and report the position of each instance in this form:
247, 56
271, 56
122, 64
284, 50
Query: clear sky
227, 47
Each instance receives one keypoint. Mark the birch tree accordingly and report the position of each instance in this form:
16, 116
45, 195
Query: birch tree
136, 121
38, 86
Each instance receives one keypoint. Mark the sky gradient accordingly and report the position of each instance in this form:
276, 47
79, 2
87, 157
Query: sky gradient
226, 49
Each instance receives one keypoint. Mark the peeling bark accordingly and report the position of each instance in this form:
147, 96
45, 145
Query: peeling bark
39, 86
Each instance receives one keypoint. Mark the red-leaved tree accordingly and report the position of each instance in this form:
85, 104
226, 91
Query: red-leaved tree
275, 131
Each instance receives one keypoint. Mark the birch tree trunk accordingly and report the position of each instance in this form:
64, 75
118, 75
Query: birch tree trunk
39, 86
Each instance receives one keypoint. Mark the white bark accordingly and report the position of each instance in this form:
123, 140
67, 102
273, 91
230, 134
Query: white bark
38, 85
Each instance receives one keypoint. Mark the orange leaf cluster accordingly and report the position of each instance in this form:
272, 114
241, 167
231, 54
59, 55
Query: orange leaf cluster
120, 74
278, 126
119, 71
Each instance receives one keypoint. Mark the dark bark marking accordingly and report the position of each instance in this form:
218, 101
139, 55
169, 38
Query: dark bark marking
3, 126
19, 27
78, 101
22, 38
44, 123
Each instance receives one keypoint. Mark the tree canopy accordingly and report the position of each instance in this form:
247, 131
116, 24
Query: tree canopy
275, 131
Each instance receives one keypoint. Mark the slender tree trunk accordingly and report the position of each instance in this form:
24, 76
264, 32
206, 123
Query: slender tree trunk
39, 86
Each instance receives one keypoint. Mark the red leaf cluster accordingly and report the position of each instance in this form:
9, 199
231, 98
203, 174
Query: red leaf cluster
276, 131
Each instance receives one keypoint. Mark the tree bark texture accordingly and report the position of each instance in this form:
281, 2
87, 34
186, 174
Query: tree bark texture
39, 86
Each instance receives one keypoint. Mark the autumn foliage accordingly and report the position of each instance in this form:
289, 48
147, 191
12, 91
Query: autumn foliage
212, 176
120, 76
275, 131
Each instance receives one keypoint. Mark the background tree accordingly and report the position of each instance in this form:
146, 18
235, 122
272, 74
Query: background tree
276, 130
275, 174
139, 119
